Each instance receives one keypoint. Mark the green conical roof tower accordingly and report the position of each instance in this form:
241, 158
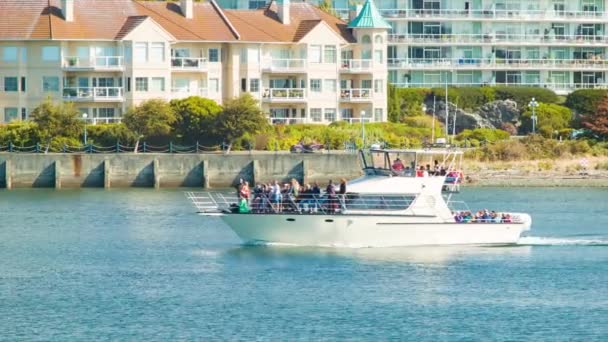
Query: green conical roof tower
369, 17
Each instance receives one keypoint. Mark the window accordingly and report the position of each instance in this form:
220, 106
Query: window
254, 85
378, 115
314, 53
10, 84
378, 85
346, 113
157, 52
255, 4
329, 54
140, 52
378, 56
378, 39
243, 84
23, 54
316, 114
214, 55
23, 114
129, 84
157, 84
330, 114
9, 54
105, 112
141, 84
10, 114
50, 53
23, 84
50, 83
366, 39
330, 85
214, 85
366, 54
366, 84
315, 85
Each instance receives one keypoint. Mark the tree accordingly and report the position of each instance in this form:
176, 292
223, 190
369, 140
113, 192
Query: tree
57, 120
598, 122
195, 116
151, 119
241, 115
550, 118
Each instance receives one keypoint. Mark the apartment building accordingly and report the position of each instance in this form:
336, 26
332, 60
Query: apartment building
303, 64
557, 44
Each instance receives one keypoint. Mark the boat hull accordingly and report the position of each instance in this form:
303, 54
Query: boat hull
370, 231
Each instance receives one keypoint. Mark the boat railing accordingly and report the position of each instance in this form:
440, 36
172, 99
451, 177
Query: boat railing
218, 202
211, 202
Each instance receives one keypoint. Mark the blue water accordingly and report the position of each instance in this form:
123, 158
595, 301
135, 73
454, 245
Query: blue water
140, 265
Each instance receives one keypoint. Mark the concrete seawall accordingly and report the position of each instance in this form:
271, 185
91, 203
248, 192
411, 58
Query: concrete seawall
169, 170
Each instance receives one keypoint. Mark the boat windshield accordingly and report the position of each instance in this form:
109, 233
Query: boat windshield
411, 163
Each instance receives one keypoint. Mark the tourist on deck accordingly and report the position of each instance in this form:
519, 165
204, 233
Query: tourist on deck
330, 192
398, 166
293, 193
275, 196
342, 193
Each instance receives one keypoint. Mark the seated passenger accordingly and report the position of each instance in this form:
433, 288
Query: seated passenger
507, 218
467, 217
398, 166
458, 217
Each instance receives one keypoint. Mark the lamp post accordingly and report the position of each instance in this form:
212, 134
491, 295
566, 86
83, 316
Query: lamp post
363, 127
84, 118
533, 104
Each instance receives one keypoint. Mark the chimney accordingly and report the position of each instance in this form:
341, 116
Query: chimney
354, 12
187, 7
283, 11
67, 8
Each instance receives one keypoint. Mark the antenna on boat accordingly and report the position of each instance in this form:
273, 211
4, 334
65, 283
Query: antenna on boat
433, 131
363, 128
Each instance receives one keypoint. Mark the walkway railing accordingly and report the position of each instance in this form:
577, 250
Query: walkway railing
188, 63
497, 63
450, 38
492, 13
101, 62
549, 85
117, 148
356, 65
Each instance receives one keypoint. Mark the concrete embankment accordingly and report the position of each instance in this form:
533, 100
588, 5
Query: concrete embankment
169, 170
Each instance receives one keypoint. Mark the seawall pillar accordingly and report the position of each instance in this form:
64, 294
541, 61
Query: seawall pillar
256, 174
205, 166
305, 168
156, 170
57, 165
106, 173
8, 174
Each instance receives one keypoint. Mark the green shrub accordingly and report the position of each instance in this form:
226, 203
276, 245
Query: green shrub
483, 134
523, 95
550, 118
405, 102
107, 135
20, 133
469, 98
585, 101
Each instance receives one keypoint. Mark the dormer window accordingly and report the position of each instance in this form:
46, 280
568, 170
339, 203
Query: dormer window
366, 39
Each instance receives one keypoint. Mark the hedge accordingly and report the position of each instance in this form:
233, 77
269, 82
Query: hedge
585, 101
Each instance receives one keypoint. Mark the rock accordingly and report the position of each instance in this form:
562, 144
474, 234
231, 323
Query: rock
490, 115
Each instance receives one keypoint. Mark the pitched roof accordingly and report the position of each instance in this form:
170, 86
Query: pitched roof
369, 17
263, 25
114, 19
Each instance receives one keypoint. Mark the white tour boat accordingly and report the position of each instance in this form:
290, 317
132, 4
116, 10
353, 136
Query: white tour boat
390, 205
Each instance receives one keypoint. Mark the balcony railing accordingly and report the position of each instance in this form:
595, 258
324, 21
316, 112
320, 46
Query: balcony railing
188, 64
284, 94
497, 63
103, 120
448, 38
93, 94
182, 93
557, 86
102, 62
356, 65
287, 121
492, 13
285, 65
355, 95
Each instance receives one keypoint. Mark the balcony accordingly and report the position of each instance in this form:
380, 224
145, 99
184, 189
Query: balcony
356, 66
103, 63
288, 65
93, 94
560, 88
182, 93
356, 95
103, 120
287, 121
188, 64
284, 95
599, 64
497, 38
493, 14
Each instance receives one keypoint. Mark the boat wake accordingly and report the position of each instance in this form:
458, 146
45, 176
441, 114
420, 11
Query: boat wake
561, 241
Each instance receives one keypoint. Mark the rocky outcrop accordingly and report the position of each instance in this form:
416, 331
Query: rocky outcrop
490, 115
